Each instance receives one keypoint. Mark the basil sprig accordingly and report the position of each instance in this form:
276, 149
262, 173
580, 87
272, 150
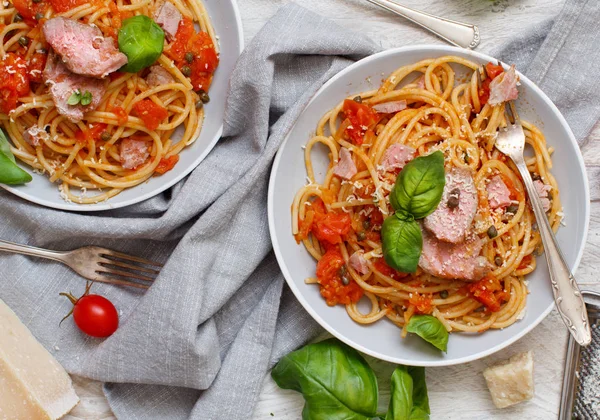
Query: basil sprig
337, 383
430, 329
10, 173
416, 194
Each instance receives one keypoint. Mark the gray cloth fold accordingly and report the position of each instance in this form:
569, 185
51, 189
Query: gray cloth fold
199, 342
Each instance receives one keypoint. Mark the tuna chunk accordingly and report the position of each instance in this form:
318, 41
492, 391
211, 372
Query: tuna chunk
35, 136
450, 222
504, 87
158, 76
168, 18
498, 193
133, 153
396, 156
358, 263
83, 48
345, 167
390, 107
453, 261
63, 84
542, 190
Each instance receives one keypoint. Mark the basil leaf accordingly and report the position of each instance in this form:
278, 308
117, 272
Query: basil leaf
430, 329
142, 41
401, 242
335, 380
10, 173
420, 410
86, 98
409, 400
418, 188
74, 98
5, 146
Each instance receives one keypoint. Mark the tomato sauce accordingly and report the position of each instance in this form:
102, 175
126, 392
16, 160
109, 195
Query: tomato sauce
14, 81
166, 164
332, 288
362, 118
382, 267
120, 114
91, 133
489, 292
150, 113
422, 303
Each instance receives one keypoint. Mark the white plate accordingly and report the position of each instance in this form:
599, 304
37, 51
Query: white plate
382, 339
225, 17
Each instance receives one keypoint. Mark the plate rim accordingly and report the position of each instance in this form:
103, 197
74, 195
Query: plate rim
107, 205
295, 289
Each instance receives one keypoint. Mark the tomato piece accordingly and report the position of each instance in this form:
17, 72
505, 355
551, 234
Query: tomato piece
362, 117
90, 133
205, 60
332, 288
527, 259
331, 227
488, 292
493, 70
28, 9
421, 303
381, 266
166, 164
179, 46
96, 316
120, 114
14, 81
484, 92
36, 67
150, 113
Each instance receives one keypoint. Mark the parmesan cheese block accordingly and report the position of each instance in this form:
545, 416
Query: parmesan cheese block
33, 385
512, 381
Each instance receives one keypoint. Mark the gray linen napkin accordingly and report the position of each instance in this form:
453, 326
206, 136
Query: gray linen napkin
219, 316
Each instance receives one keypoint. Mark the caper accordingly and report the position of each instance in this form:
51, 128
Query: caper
361, 236
535, 177
492, 232
199, 104
358, 99
203, 96
343, 270
42, 51
189, 56
186, 70
345, 280
18, 18
480, 309
498, 261
105, 136
39, 16
466, 158
366, 224
453, 202
513, 208
37, 1
24, 41
444, 294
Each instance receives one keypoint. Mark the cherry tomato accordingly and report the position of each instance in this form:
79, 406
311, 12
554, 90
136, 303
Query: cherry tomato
121, 114
96, 316
361, 116
381, 266
488, 291
332, 287
492, 70
422, 303
331, 227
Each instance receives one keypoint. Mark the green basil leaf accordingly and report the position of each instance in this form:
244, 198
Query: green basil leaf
409, 400
74, 98
10, 173
402, 242
430, 329
418, 188
142, 41
86, 98
420, 410
335, 380
5, 146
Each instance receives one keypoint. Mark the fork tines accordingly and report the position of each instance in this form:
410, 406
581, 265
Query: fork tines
127, 266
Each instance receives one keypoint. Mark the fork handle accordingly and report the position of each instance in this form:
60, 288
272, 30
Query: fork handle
456, 33
568, 298
31, 250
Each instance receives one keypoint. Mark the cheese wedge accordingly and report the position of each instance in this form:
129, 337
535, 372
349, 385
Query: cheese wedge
33, 385
512, 381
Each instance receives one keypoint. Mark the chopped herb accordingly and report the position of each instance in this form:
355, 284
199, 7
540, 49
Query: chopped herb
86, 98
75, 98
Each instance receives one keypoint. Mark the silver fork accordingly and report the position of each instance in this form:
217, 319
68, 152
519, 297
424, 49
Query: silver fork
456, 33
568, 298
96, 263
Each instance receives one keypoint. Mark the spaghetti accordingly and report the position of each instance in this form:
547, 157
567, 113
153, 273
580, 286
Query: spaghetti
85, 156
338, 218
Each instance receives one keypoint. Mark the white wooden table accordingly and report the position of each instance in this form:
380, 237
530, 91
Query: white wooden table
456, 392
